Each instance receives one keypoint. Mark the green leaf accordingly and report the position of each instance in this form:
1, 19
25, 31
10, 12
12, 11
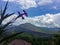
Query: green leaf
4, 39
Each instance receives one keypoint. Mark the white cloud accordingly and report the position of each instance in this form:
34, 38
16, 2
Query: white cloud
48, 20
9, 19
9, 0
44, 2
25, 4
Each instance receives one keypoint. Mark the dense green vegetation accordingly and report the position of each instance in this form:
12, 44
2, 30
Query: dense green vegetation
36, 40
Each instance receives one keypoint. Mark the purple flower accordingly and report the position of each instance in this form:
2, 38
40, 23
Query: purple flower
25, 13
21, 15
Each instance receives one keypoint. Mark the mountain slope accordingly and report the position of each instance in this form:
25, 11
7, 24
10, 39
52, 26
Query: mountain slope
31, 29
40, 29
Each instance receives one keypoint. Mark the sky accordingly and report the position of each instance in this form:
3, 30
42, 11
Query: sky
45, 13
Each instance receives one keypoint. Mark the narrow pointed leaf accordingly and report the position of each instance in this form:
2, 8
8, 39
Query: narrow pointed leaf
1, 10
0, 21
4, 39
8, 15
1, 15
5, 8
1, 31
17, 17
6, 25
4, 11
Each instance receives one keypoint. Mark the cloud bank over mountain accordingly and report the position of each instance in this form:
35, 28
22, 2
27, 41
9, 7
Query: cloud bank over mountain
47, 20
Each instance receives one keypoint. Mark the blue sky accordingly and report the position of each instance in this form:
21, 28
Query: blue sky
39, 7
41, 12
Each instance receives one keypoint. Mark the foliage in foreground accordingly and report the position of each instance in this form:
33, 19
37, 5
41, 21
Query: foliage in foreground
3, 16
36, 40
